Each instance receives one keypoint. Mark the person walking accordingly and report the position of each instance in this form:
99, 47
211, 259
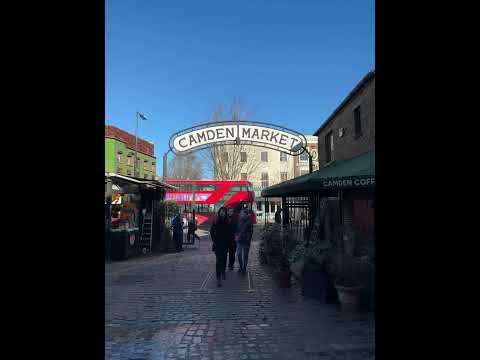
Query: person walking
278, 216
243, 236
192, 226
177, 227
232, 247
221, 232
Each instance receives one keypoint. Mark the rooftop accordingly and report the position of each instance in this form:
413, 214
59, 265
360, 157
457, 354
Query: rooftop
366, 80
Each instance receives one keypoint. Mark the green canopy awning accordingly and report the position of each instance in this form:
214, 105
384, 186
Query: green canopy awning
357, 172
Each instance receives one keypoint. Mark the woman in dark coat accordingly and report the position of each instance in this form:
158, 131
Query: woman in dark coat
221, 232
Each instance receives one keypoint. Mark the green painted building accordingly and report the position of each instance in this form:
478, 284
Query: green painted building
120, 154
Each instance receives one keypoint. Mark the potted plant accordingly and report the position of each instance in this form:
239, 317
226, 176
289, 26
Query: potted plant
283, 273
282, 263
348, 284
314, 252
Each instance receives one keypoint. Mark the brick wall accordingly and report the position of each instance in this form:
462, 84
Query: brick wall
348, 146
143, 146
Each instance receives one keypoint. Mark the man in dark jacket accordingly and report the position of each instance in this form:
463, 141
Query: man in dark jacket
232, 248
243, 235
221, 232
192, 227
177, 227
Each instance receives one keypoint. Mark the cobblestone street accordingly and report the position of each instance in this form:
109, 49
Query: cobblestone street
168, 307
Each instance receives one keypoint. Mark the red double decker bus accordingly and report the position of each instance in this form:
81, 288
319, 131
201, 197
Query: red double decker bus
210, 195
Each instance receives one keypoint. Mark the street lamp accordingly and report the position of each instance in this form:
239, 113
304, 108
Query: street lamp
299, 147
143, 117
165, 160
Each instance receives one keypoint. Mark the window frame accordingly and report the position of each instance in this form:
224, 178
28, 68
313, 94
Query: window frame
329, 149
357, 122
264, 180
243, 154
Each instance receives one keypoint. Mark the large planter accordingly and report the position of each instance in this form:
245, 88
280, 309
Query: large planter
317, 284
283, 278
349, 297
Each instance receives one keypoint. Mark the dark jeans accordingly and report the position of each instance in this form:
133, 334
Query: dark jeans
192, 236
221, 262
242, 253
231, 255
178, 238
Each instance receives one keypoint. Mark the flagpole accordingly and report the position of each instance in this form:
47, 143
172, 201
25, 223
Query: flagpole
136, 149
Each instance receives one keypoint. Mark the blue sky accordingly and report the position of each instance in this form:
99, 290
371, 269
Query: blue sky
289, 62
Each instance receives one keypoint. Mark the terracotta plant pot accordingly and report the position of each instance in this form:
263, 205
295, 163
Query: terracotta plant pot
349, 297
283, 279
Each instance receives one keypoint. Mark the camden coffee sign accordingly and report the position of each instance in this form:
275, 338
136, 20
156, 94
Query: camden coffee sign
349, 182
230, 133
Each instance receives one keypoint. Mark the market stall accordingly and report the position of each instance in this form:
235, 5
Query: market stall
131, 215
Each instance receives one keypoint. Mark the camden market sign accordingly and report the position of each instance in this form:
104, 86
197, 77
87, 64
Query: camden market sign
242, 132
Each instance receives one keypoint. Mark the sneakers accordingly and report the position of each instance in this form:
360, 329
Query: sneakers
219, 284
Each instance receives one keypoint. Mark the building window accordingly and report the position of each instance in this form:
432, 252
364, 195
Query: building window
283, 176
153, 166
283, 156
243, 176
129, 172
243, 157
129, 160
119, 157
264, 180
329, 146
304, 156
119, 170
145, 176
225, 157
358, 122
145, 165
264, 156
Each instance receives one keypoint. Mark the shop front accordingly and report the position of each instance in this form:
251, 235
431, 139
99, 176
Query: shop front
131, 215
337, 202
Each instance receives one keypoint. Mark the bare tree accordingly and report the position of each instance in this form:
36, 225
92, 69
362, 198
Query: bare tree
185, 167
225, 161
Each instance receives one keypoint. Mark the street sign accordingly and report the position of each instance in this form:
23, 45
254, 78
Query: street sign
237, 133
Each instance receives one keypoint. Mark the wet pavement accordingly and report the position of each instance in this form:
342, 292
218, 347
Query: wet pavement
168, 307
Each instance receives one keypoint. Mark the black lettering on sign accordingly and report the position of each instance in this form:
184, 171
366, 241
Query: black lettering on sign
283, 140
192, 140
246, 131
274, 135
201, 137
293, 142
255, 134
212, 133
180, 142
230, 132
220, 134
265, 135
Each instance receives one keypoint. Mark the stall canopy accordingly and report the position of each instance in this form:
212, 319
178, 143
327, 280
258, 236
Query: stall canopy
126, 181
357, 172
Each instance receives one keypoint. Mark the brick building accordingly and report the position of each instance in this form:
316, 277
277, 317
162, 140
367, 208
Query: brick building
348, 133
120, 154
344, 183
350, 130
